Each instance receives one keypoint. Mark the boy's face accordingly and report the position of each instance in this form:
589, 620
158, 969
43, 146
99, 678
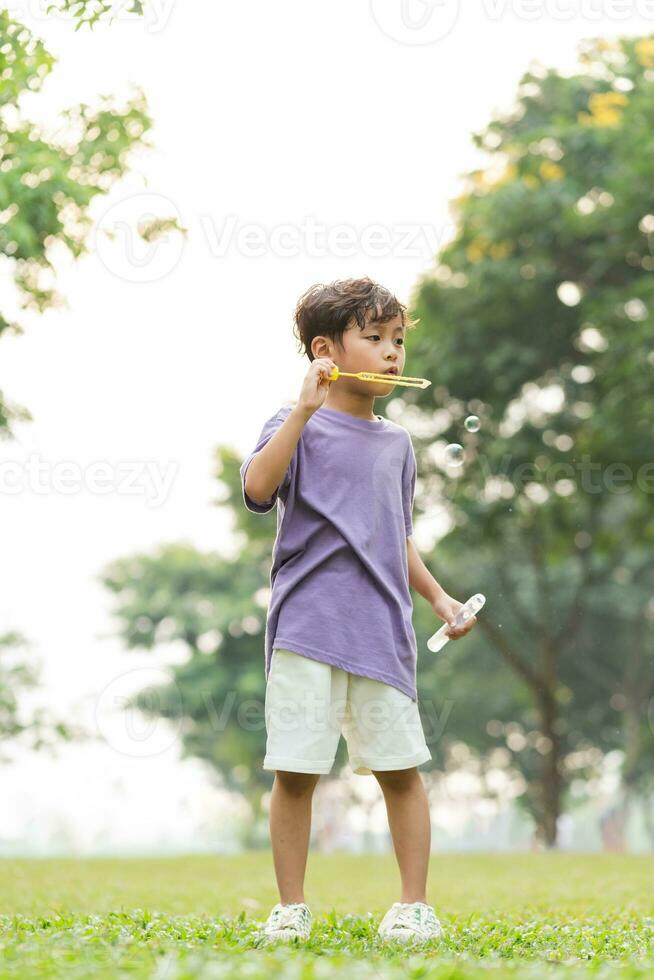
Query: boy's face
375, 348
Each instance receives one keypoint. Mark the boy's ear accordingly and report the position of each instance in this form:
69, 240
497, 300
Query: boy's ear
321, 347
315, 346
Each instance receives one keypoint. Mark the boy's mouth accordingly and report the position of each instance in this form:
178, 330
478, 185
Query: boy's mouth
392, 370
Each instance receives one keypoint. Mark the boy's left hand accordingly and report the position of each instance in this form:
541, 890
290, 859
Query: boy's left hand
446, 608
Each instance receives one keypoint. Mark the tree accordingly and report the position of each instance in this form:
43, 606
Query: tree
36, 729
537, 318
213, 609
615, 681
49, 180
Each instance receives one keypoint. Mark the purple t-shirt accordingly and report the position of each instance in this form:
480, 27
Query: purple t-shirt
339, 576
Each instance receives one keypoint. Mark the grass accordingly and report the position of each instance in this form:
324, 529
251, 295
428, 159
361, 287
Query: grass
522, 916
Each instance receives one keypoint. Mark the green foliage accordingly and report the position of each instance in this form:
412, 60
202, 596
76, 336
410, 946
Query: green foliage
50, 179
546, 292
37, 729
88, 13
208, 605
48, 182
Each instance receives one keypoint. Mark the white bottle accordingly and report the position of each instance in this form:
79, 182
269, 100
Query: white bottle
468, 609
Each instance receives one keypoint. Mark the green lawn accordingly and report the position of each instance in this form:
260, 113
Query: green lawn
531, 915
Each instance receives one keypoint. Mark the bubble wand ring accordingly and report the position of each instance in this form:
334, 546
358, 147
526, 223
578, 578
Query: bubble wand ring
395, 379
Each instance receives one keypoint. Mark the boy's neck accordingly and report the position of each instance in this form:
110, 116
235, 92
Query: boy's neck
360, 406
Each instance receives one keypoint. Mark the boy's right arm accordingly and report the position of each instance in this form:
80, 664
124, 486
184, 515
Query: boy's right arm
268, 466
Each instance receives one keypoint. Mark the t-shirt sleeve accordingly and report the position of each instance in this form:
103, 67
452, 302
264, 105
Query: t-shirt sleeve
408, 487
269, 429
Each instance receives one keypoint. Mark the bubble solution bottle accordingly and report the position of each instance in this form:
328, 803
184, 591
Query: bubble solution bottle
467, 610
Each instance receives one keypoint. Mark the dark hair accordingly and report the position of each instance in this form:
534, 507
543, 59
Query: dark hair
327, 310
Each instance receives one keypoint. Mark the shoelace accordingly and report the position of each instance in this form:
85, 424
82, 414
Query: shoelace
412, 917
288, 915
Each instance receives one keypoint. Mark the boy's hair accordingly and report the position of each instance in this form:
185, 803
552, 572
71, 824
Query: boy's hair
326, 310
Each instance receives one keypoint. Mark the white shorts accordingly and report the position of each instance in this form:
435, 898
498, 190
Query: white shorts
307, 702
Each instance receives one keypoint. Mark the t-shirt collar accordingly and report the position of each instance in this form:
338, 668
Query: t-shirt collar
376, 423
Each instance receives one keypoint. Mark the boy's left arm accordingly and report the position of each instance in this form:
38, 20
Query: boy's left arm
445, 607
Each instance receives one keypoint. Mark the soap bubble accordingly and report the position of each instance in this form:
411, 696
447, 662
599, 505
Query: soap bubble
454, 454
472, 423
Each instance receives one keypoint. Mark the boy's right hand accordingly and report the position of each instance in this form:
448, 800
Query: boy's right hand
316, 385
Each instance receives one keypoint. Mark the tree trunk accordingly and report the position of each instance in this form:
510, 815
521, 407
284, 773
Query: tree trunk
633, 688
632, 745
648, 817
551, 776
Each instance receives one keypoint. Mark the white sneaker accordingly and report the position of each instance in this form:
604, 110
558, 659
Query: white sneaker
287, 921
410, 922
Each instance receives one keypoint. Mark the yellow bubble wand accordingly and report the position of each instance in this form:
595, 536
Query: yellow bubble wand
395, 379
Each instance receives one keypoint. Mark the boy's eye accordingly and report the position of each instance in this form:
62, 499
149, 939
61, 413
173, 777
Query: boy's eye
373, 335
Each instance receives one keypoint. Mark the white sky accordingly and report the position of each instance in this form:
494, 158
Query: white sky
266, 115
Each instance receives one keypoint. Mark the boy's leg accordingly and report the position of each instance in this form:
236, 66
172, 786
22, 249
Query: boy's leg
407, 807
290, 831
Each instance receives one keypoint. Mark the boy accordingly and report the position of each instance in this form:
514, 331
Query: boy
339, 633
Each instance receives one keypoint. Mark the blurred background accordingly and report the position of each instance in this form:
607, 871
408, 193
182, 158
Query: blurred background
172, 177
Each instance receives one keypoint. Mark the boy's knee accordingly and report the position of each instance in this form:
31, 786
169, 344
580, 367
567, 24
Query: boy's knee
297, 783
396, 779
